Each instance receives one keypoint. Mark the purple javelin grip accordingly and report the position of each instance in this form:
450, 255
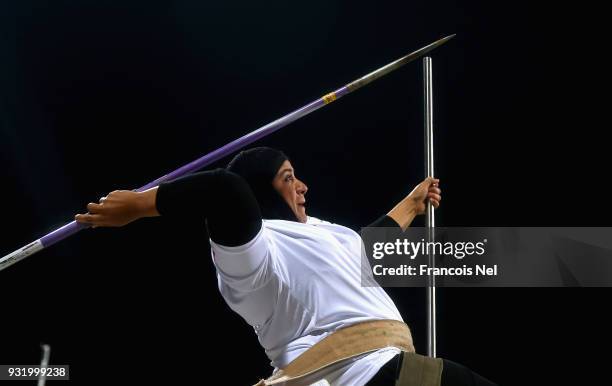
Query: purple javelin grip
74, 227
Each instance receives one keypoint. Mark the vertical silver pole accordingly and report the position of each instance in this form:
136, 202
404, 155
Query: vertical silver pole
430, 223
44, 362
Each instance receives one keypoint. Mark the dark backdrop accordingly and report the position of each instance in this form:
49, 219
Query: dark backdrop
102, 95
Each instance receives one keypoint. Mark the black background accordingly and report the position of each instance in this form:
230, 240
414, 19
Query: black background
102, 95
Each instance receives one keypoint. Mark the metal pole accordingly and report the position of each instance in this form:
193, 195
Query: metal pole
74, 227
430, 221
44, 362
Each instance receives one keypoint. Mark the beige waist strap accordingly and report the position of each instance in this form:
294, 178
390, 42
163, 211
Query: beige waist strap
344, 344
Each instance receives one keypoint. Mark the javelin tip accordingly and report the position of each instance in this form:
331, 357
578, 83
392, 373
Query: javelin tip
439, 42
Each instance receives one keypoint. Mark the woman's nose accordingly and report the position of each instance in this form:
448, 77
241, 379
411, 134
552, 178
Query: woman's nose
302, 188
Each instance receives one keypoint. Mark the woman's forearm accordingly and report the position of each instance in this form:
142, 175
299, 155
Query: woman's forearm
404, 212
119, 208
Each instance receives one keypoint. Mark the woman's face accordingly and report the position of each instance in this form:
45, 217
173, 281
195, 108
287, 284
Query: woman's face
292, 190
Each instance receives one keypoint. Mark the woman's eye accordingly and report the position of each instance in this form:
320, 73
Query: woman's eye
289, 178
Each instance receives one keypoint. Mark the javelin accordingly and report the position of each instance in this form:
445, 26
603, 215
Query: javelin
74, 227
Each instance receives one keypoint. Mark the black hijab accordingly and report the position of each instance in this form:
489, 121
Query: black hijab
258, 166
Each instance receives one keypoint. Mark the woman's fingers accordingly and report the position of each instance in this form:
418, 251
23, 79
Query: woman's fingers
435, 189
88, 218
432, 192
93, 207
434, 184
434, 196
